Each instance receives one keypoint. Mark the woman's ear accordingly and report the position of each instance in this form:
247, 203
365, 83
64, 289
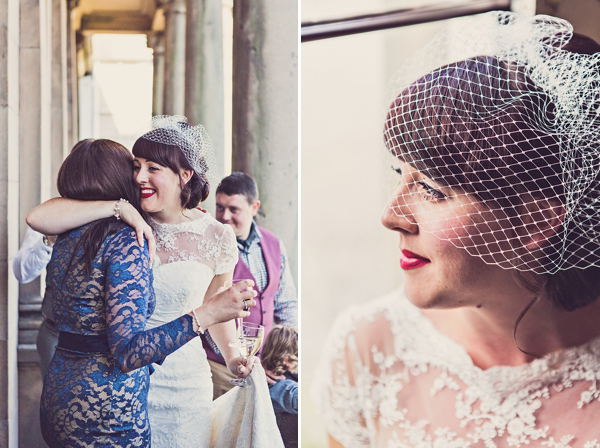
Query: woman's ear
542, 219
185, 176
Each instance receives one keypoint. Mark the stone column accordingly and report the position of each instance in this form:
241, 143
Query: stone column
59, 137
9, 226
174, 89
34, 185
265, 110
204, 89
204, 79
156, 41
72, 77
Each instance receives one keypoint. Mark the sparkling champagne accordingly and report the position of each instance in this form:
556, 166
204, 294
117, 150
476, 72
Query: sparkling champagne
253, 344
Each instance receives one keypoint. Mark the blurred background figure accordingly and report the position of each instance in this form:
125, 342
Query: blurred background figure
29, 263
262, 258
280, 360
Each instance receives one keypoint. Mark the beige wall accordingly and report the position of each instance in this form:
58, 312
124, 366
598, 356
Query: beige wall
347, 255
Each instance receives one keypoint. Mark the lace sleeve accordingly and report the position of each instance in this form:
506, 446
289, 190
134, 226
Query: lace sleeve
128, 295
228, 255
339, 386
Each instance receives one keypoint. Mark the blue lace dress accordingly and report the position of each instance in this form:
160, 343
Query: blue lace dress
96, 388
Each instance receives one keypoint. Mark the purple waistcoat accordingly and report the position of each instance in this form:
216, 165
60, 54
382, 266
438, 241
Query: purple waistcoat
262, 313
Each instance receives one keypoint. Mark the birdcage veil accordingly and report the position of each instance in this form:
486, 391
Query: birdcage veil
497, 128
193, 141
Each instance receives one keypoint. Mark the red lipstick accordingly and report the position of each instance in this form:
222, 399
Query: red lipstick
146, 195
410, 260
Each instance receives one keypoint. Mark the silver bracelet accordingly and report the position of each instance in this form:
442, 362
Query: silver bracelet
200, 330
117, 213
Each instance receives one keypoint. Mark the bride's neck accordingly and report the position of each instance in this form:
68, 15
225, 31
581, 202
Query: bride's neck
494, 335
174, 216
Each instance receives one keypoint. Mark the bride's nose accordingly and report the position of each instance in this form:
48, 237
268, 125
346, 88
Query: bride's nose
398, 216
140, 176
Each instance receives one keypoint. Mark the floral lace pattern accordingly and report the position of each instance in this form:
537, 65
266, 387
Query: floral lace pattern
100, 399
180, 398
391, 379
204, 240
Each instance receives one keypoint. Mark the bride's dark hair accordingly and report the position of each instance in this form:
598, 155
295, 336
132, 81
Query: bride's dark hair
98, 170
436, 126
193, 192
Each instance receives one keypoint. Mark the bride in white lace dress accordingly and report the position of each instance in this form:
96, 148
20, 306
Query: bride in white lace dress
494, 341
194, 254
195, 257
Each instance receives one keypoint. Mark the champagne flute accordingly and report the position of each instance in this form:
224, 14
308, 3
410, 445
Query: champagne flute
253, 335
238, 320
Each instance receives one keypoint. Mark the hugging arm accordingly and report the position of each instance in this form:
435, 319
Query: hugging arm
59, 215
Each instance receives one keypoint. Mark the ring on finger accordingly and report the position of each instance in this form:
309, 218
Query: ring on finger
245, 306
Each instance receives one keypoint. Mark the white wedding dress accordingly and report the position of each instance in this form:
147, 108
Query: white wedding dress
389, 378
188, 256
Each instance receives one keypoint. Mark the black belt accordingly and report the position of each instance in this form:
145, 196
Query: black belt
83, 342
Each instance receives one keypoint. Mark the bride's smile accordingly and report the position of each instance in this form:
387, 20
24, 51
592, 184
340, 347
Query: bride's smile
160, 188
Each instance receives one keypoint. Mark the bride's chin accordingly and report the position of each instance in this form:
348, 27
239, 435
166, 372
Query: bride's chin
146, 207
423, 299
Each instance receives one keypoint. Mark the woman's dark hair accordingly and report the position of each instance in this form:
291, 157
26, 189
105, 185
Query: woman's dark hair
483, 127
196, 189
98, 170
281, 341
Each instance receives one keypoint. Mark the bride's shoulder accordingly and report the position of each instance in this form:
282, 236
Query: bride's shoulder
218, 228
391, 306
375, 320
202, 219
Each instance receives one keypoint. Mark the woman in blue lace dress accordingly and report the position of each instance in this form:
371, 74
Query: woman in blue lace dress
95, 391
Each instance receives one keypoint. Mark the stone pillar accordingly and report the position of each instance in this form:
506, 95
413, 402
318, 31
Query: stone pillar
34, 104
204, 79
72, 77
9, 226
59, 116
34, 185
265, 110
174, 88
156, 41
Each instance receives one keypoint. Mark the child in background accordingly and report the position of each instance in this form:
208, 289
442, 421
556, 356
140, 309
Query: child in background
279, 358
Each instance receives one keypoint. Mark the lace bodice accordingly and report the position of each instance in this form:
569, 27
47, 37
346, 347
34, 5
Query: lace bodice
389, 378
204, 240
188, 256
